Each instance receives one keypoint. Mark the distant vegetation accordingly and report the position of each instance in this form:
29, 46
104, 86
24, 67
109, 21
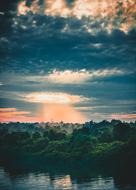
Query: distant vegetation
111, 143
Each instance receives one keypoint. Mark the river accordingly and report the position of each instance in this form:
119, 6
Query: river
16, 179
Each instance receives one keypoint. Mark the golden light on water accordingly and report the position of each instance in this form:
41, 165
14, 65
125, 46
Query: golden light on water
63, 182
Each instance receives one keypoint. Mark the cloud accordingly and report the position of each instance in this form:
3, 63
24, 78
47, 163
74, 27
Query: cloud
14, 115
2, 13
7, 110
80, 76
96, 45
53, 97
23, 9
12, 112
57, 8
68, 76
124, 116
85, 108
76, 77
97, 116
114, 14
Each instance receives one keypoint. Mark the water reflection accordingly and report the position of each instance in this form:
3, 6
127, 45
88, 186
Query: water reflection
57, 180
63, 182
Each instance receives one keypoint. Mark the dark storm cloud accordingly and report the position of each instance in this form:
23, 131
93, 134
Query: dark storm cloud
42, 43
6, 7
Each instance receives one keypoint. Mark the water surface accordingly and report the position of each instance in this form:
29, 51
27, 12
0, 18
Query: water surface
40, 180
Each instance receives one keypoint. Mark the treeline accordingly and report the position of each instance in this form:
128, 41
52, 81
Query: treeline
102, 143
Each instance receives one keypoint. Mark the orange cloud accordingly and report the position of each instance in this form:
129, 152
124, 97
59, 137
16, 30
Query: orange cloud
81, 8
123, 10
57, 7
23, 9
123, 116
7, 109
13, 115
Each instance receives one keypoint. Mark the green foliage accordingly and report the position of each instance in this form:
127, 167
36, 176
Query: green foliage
57, 146
102, 141
123, 131
53, 134
102, 149
40, 144
36, 135
14, 138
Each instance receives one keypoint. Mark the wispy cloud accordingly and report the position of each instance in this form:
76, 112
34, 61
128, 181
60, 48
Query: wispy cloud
14, 115
3, 110
12, 112
124, 116
2, 13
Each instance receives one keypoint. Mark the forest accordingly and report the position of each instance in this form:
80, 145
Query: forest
108, 144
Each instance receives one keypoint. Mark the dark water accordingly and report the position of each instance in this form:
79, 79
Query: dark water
18, 179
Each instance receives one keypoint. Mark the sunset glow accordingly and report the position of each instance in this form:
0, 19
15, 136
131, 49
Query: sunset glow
124, 116
62, 112
14, 115
58, 107
49, 112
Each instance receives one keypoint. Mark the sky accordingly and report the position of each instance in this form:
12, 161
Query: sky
67, 60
